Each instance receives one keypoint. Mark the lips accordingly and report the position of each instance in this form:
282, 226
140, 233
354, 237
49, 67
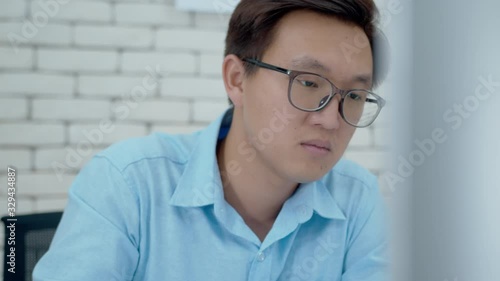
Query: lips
318, 144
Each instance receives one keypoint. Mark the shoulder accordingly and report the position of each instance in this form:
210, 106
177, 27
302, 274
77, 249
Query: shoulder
171, 148
348, 172
351, 184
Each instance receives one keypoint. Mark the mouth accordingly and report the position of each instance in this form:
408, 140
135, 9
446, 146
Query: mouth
317, 147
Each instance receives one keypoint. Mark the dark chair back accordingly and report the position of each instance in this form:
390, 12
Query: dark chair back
33, 235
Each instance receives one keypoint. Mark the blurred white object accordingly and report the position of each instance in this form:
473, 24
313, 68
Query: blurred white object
215, 6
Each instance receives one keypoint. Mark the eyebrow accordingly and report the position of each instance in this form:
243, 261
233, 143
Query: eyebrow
311, 63
365, 79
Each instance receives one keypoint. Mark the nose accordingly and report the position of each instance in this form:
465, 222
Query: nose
329, 116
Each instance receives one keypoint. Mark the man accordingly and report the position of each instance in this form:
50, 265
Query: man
261, 194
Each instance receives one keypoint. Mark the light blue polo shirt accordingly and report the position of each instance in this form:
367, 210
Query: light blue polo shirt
153, 209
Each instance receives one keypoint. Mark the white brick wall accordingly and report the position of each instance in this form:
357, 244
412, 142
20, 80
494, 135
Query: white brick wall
19, 158
383, 137
49, 204
107, 85
31, 134
13, 109
113, 37
205, 111
150, 14
75, 10
69, 156
19, 33
79, 133
75, 109
160, 111
173, 129
169, 63
36, 83
53, 34
77, 60
202, 20
211, 64
9, 59
371, 159
362, 138
40, 184
12, 8
71, 65
193, 87
23, 206
190, 39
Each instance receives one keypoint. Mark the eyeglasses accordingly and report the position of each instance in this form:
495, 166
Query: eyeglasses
312, 92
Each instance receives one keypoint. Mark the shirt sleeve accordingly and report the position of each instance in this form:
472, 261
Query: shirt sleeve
97, 238
367, 255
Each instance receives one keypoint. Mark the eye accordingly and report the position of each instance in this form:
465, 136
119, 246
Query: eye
355, 97
308, 84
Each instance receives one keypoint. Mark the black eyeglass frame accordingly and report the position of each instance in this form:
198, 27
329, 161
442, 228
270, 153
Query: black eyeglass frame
292, 74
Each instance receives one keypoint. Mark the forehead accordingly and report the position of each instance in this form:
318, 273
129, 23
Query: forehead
309, 41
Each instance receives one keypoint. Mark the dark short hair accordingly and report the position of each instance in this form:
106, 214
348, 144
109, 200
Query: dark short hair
252, 24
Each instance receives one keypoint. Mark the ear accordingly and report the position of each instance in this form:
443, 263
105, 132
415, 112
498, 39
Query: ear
233, 72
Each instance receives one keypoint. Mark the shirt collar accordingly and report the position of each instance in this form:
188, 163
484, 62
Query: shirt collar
200, 183
314, 196
201, 177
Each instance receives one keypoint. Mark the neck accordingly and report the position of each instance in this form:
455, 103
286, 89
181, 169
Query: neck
255, 191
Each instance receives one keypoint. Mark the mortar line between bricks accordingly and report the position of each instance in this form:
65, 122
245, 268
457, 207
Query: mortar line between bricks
119, 61
191, 111
197, 69
192, 20
154, 31
29, 104
372, 136
112, 12
149, 127
72, 29
34, 58
76, 85
66, 141
28, 9
32, 159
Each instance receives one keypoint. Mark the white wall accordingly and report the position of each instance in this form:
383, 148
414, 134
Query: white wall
75, 64
84, 66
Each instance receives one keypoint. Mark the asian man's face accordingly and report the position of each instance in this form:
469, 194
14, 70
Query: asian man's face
303, 146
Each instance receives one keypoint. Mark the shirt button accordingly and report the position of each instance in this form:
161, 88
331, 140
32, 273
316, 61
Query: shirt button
302, 213
261, 256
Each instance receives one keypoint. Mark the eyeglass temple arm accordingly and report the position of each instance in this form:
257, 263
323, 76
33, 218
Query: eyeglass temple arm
268, 66
380, 102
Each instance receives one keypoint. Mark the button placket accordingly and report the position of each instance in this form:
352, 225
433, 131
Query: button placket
261, 269
261, 256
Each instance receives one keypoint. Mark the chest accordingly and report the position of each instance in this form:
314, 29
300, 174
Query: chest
204, 250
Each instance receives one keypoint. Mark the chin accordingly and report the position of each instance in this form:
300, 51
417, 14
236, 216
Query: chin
304, 177
312, 172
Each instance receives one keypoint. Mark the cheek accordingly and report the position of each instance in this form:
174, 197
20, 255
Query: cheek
345, 135
267, 89
266, 109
